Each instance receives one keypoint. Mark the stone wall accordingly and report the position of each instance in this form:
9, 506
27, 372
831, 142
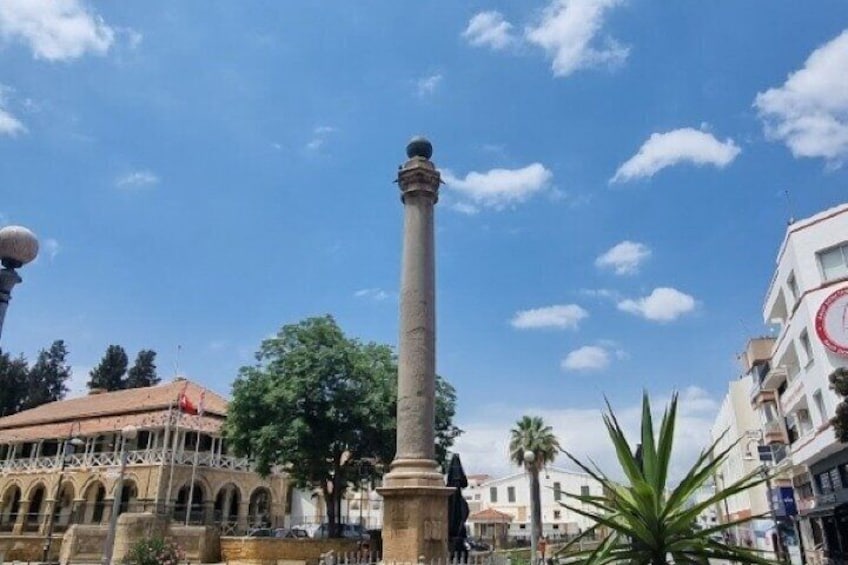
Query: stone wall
84, 544
26, 547
271, 551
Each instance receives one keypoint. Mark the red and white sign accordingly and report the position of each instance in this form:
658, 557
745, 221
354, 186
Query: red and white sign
832, 322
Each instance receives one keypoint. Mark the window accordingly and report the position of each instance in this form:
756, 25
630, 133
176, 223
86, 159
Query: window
510, 494
825, 485
557, 491
476, 497
832, 262
584, 490
557, 514
493, 494
792, 283
835, 479
819, 402
804, 338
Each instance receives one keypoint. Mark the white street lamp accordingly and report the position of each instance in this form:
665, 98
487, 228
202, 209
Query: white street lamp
129, 433
18, 246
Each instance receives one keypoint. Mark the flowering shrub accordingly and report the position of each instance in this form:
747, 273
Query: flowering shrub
154, 551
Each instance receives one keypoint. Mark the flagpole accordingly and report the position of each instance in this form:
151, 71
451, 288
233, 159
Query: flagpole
165, 439
194, 461
173, 458
193, 476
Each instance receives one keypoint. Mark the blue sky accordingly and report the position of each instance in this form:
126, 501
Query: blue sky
200, 173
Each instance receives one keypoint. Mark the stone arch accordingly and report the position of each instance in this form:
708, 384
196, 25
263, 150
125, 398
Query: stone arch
10, 506
259, 508
63, 506
37, 497
129, 496
227, 502
94, 502
197, 494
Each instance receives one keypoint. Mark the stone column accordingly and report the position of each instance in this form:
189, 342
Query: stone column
23, 514
415, 497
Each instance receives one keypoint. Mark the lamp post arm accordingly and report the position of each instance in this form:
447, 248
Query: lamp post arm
8, 279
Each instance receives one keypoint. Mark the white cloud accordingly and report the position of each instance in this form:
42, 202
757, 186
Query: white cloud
319, 137
809, 112
624, 258
587, 358
464, 208
10, 125
662, 305
376, 294
427, 85
580, 430
55, 30
77, 383
489, 29
569, 31
685, 145
137, 180
51, 246
499, 188
562, 316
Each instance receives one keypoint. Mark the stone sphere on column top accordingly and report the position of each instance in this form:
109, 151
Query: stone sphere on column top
419, 146
18, 245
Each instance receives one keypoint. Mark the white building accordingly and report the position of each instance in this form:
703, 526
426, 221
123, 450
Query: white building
363, 507
511, 496
737, 427
808, 301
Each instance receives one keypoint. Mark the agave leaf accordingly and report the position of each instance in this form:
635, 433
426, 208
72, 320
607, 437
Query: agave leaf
649, 462
666, 442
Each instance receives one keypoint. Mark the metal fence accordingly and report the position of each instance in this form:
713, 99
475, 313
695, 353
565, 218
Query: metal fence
369, 558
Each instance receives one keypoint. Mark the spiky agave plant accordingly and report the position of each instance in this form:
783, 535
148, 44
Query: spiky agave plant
645, 523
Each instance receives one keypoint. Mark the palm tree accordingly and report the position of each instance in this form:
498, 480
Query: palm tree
532, 436
648, 523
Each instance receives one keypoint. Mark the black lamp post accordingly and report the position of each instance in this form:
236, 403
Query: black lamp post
18, 246
67, 449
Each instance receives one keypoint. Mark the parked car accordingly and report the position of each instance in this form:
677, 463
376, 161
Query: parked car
296, 532
474, 544
261, 533
349, 531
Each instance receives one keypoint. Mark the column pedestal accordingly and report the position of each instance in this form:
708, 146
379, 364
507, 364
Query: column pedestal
415, 512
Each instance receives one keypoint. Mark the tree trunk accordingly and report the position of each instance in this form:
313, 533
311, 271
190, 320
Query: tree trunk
536, 518
330, 504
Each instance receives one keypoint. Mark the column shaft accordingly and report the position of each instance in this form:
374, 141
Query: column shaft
417, 351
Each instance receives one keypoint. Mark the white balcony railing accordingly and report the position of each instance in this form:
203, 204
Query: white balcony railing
141, 457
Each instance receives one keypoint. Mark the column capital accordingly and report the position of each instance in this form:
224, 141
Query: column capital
419, 176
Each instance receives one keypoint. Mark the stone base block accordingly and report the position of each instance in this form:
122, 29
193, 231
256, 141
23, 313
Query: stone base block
415, 523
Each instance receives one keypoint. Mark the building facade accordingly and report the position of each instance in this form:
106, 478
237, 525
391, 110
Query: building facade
510, 496
807, 304
60, 464
738, 428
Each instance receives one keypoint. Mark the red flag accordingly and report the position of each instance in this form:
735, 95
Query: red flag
186, 405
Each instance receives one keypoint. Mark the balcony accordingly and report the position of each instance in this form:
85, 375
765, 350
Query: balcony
141, 457
776, 376
773, 433
792, 396
760, 396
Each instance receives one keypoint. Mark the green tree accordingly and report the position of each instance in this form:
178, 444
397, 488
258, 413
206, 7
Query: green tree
13, 383
648, 522
839, 384
321, 404
532, 435
109, 374
47, 379
143, 371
